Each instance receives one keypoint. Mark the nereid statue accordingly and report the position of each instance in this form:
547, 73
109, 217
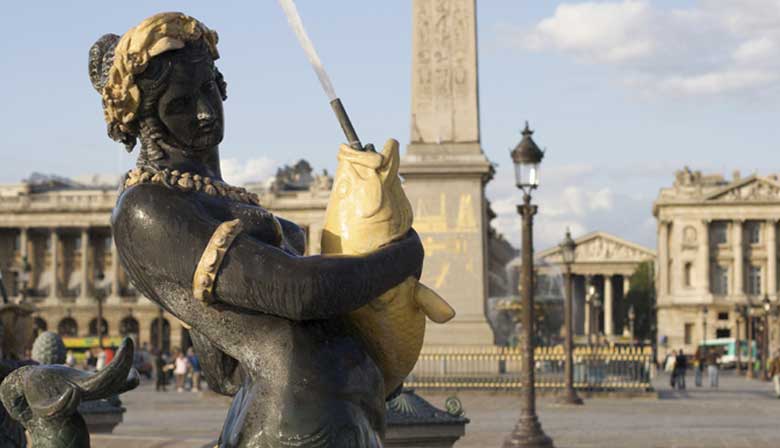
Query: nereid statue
274, 328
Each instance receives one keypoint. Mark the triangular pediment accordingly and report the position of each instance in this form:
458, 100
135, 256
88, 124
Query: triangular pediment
600, 247
753, 188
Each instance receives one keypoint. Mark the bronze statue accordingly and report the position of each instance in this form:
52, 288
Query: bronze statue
270, 324
45, 398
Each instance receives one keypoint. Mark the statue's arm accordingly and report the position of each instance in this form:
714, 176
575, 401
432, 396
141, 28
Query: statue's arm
169, 232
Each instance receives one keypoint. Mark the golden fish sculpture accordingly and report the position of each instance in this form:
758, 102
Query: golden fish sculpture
368, 209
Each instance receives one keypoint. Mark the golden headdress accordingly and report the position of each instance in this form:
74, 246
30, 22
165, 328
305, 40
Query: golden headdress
114, 61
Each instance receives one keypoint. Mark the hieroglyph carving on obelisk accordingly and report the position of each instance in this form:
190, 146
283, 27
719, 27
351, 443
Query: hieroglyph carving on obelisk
444, 83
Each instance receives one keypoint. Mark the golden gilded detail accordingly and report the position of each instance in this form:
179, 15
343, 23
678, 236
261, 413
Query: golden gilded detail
190, 182
160, 33
206, 272
368, 209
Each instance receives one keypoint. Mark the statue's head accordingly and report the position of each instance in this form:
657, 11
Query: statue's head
159, 84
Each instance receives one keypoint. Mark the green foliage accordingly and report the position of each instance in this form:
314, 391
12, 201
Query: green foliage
642, 297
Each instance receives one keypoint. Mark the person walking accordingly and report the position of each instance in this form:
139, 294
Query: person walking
192, 357
698, 366
180, 369
680, 367
712, 368
774, 372
160, 370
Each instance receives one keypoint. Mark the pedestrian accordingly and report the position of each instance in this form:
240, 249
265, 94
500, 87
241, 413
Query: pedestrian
698, 366
180, 369
192, 357
680, 366
160, 368
70, 360
101, 359
91, 360
712, 368
774, 372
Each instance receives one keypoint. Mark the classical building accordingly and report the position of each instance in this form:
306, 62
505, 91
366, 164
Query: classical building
62, 229
604, 262
717, 247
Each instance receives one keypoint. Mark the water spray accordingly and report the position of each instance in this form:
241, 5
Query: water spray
294, 19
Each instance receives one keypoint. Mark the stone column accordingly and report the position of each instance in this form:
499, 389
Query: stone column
704, 256
84, 264
771, 258
314, 237
663, 257
609, 325
626, 285
54, 242
23, 241
739, 259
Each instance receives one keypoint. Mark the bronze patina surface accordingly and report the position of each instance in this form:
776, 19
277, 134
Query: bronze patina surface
274, 332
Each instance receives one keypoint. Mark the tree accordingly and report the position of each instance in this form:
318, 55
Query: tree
642, 297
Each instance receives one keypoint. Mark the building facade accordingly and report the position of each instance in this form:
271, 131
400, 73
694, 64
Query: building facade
717, 248
602, 269
56, 251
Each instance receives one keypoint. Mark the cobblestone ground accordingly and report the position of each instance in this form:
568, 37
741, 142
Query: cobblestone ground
740, 413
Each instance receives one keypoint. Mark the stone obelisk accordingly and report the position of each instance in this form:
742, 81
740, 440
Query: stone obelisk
444, 168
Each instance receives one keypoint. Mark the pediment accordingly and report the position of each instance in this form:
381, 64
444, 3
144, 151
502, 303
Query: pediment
600, 247
753, 188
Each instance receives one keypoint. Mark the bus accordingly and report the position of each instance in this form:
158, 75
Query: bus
727, 349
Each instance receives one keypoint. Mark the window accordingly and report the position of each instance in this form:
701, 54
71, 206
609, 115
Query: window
67, 327
18, 242
723, 316
720, 280
753, 232
754, 280
720, 234
687, 274
77, 242
688, 333
722, 333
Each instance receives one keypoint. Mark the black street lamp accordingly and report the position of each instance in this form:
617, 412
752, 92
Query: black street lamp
526, 158
24, 278
750, 323
767, 305
568, 252
738, 342
99, 296
704, 312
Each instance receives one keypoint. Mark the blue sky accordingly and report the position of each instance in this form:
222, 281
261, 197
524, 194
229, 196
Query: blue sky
621, 93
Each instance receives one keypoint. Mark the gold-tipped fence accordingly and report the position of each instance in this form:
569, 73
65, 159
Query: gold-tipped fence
596, 369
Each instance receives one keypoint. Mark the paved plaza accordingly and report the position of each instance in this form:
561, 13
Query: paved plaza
740, 413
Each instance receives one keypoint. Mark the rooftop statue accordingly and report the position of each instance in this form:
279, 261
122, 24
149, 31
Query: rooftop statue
273, 327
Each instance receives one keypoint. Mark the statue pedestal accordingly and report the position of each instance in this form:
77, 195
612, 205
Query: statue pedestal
412, 422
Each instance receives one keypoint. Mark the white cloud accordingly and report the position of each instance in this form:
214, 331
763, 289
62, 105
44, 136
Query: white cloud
713, 47
575, 199
238, 172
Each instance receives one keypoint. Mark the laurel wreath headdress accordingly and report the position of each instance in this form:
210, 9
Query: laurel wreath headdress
114, 62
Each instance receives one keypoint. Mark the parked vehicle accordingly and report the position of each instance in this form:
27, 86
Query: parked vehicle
728, 350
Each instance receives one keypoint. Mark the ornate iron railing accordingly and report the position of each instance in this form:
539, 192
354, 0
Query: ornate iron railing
597, 369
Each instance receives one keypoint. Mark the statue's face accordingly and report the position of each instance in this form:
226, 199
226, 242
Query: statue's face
191, 105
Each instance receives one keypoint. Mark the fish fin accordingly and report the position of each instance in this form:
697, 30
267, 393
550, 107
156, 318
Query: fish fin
433, 305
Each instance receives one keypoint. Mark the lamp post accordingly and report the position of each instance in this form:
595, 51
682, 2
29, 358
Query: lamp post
704, 312
526, 158
597, 317
767, 305
568, 252
749, 318
99, 297
737, 340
